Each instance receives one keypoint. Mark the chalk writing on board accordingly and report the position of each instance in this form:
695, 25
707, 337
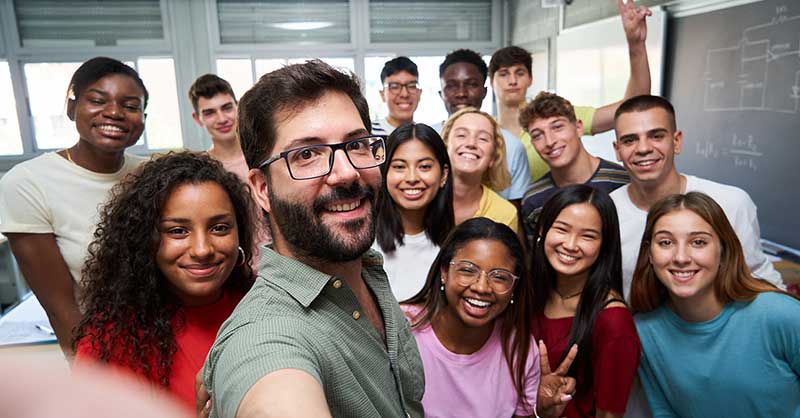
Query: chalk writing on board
742, 151
761, 72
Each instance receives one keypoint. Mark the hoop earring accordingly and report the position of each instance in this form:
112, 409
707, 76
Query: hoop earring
241, 254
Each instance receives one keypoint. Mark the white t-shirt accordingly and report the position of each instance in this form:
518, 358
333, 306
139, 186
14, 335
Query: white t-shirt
407, 266
50, 195
738, 207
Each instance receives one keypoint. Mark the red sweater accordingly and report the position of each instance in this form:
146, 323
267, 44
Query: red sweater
193, 341
614, 358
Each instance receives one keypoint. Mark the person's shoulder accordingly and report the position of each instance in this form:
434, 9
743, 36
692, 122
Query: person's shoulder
775, 303
614, 319
724, 194
377, 128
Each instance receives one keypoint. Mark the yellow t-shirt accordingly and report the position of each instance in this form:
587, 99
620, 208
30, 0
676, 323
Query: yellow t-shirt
496, 208
537, 165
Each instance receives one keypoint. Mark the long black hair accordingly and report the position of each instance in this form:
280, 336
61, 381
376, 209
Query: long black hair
439, 217
516, 329
605, 275
129, 306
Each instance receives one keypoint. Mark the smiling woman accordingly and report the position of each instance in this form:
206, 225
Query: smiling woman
48, 205
170, 294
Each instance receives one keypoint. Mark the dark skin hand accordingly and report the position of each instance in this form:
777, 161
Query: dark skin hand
202, 399
555, 387
47, 274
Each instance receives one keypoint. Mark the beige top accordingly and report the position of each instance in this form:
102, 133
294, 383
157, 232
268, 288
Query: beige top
50, 195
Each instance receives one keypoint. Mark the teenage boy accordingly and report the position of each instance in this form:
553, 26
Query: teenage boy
400, 92
510, 75
647, 142
556, 135
215, 110
463, 79
319, 334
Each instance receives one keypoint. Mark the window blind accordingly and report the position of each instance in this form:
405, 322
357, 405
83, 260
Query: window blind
430, 20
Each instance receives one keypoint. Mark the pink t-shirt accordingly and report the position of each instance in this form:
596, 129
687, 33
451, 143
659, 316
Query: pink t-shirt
473, 385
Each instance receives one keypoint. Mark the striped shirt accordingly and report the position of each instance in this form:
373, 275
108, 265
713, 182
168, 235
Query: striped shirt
296, 317
382, 127
608, 177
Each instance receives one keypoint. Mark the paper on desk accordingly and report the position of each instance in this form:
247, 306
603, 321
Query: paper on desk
24, 332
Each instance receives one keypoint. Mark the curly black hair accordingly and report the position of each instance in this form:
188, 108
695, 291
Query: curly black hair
128, 307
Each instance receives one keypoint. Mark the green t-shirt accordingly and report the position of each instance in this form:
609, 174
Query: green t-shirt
296, 317
537, 165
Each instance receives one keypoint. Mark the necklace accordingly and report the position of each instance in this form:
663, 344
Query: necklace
69, 157
569, 296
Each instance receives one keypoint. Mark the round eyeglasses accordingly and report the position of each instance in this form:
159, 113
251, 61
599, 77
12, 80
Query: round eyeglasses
466, 274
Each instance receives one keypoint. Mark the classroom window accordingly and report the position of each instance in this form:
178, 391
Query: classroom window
430, 21
88, 23
10, 139
47, 86
431, 108
162, 127
304, 22
238, 72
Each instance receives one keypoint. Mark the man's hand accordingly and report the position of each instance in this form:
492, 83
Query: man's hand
634, 21
555, 388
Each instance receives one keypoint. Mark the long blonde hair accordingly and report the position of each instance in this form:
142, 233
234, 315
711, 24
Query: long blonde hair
734, 281
497, 177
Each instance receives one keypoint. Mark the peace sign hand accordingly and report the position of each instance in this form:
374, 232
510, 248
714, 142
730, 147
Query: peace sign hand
634, 20
555, 388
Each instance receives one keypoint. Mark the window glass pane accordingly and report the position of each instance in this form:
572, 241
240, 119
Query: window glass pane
162, 126
430, 20
285, 21
238, 72
47, 86
10, 139
431, 107
264, 66
88, 23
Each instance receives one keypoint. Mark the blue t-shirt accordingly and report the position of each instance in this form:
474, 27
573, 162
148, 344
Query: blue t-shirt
517, 161
744, 363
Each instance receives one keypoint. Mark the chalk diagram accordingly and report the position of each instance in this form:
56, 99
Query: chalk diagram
741, 150
761, 72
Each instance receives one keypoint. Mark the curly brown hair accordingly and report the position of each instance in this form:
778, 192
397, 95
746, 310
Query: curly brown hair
129, 311
546, 105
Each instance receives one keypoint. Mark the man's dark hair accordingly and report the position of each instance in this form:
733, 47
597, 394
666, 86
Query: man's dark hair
464, 55
208, 86
286, 90
508, 56
396, 65
647, 102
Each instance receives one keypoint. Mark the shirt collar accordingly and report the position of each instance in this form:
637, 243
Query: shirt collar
301, 281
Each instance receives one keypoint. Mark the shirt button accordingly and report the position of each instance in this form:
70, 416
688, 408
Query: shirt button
356, 314
337, 284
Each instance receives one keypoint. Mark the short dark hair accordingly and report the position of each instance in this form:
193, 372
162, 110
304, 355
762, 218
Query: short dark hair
439, 217
647, 102
508, 56
464, 55
396, 65
288, 89
97, 68
546, 105
208, 86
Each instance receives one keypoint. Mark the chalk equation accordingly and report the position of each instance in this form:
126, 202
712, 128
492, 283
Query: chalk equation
761, 72
740, 150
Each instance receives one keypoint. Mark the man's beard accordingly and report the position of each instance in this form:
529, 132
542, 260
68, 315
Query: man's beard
302, 228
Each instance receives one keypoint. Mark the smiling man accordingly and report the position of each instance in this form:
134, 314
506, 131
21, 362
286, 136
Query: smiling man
320, 333
555, 134
463, 79
647, 142
400, 92
215, 110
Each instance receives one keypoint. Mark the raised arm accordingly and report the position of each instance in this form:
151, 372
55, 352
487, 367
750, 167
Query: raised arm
634, 21
285, 393
47, 274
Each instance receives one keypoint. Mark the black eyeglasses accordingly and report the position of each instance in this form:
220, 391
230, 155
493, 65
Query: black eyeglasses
396, 88
314, 161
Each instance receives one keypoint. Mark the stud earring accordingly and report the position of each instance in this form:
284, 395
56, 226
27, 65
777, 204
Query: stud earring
512, 301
